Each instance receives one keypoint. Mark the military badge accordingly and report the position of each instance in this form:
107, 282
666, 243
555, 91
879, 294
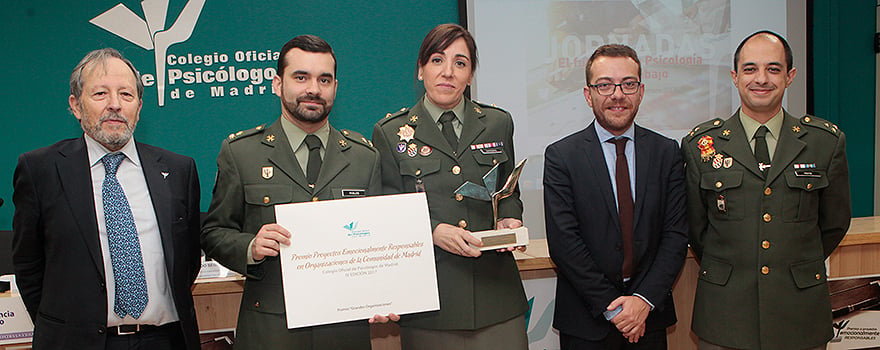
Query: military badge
268, 172
722, 204
413, 119
411, 150
805, 166
707, 148
728, 162
425, 151
401, 147
717, 161
406, 133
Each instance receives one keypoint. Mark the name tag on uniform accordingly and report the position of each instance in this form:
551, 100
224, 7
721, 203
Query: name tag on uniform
346, 193
490, 150
806, 173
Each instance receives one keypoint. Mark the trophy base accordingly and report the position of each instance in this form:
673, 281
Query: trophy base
504, 238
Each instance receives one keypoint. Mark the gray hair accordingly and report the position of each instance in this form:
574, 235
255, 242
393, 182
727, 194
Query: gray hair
96, 57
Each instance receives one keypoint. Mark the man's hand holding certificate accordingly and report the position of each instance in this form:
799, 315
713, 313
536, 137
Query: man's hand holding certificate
354, 258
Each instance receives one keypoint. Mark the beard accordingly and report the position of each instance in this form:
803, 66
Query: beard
305, 114
112, 139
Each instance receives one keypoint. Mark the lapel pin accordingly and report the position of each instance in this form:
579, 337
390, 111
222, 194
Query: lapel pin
268, 172
164, 174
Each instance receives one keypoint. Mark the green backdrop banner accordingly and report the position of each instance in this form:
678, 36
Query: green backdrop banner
207, 66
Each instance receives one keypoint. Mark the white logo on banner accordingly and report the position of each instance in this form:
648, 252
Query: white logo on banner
151, 34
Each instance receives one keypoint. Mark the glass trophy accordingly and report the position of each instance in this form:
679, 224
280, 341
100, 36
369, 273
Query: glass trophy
503, 238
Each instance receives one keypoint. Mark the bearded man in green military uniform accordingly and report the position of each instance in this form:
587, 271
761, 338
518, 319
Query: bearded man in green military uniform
298, 158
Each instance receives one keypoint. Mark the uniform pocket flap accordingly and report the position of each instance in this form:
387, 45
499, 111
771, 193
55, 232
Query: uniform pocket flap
267, 195
490, 156
419, 167
807, 180
720, 181
266, 302
809, 273
715, 271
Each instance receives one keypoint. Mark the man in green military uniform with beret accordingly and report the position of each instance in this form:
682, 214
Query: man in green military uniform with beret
768, 201
298, 158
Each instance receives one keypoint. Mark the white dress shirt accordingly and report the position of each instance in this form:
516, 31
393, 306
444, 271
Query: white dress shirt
160, 308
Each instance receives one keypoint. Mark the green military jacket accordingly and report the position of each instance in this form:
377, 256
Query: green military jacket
762, 240
474, 292
257, 170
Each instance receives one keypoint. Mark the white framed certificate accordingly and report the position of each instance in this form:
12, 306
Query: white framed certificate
350, 259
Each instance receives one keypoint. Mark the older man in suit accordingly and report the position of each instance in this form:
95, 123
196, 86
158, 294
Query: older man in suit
615, 215
768, 201
106, 229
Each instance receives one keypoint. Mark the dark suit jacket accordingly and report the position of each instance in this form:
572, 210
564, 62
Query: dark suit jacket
583, 230
474, 292
244, 200
57, 253
762, 282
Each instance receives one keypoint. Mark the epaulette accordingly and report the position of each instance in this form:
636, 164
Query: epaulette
487, 105
243, 133
703, 127
357, 138
820, 123
390, 116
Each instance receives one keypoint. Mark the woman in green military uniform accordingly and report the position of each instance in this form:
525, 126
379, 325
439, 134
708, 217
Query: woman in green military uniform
434, 147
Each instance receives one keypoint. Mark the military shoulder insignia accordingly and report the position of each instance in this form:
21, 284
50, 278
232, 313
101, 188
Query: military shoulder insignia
820, 123
704, 127
244, 133
393, 115
480, 106
355, 137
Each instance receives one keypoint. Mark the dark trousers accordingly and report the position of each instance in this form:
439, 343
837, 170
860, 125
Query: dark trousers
169, 336
652, 340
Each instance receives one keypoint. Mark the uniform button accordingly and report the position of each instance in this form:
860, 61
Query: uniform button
418, 172
266, 199
765, 244
765, 270
314, 199
456, 170
462, 224
768, 191
809, 186
818, 276
101, 330
617, 247
257, 304
705, 272
767, 217
459, 197
494, 161
807, 119
718, 184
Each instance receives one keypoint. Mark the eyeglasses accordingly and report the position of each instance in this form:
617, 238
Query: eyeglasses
607, 89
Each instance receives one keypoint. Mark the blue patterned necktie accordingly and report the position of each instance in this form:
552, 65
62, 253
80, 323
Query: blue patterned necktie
125, 249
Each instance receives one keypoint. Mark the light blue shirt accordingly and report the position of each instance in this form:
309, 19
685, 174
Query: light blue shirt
610, 151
